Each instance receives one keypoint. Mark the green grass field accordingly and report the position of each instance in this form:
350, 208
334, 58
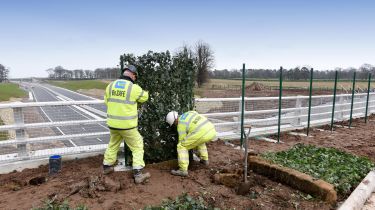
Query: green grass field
223, 84
81, 84
8, 90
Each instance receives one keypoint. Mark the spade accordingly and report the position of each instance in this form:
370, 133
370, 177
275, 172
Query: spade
244, 187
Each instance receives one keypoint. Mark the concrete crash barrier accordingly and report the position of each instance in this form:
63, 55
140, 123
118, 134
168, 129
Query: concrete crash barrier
294, 178
358, 198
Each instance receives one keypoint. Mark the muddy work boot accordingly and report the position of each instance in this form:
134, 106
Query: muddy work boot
204, 162
140, 177
179, 173
108, 169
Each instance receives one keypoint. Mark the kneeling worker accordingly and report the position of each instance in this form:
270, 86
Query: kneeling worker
194, 130
122, 97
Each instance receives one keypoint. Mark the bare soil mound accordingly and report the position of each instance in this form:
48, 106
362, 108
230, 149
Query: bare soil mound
81, 182
256, 86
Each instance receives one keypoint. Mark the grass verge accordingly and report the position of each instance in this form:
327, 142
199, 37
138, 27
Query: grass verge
80, 84
8, 90
345, 171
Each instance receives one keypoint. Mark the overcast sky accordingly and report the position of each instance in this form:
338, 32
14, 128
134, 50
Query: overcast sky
79, 34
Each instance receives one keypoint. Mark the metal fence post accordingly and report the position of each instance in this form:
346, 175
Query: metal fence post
351, 106
310, 93
334, 100
280, 96
20, 133
368, 95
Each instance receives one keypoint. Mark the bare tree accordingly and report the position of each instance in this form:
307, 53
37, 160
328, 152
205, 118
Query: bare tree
365, 69
204, 57
51, 73
89, 74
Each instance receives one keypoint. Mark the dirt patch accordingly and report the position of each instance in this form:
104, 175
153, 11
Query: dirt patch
96, 93
296, 179
370, 203
72, 184
256, 86
6, 116
90, 186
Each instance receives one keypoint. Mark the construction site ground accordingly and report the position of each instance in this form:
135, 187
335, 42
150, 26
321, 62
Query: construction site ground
81, 182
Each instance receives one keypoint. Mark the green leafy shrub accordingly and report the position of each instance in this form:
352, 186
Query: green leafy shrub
170, 81
345, 171
52, 205
183, 202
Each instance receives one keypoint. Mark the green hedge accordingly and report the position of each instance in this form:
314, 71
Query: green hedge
170, 81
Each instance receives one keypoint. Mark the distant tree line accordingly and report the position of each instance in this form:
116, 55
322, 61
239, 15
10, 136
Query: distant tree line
201, 52
297, 73
60, 73
4, 72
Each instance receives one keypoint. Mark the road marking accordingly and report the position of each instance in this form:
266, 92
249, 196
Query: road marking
65, 98
74, 92
52, 121
31, 96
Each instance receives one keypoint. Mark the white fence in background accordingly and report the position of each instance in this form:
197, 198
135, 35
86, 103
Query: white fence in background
36, 130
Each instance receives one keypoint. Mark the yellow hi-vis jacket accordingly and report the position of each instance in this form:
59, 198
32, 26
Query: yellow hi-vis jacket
194, 127
121, 98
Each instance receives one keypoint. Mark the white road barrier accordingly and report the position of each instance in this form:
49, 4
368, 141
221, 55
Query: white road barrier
66, 126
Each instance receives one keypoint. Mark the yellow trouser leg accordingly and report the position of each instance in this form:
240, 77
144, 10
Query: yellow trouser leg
110, 155
134, 141
191, 143
183, 157
202, 151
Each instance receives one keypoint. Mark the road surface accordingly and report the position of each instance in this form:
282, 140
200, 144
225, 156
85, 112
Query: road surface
45, 93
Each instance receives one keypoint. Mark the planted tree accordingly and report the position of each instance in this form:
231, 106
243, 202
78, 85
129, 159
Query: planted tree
170, 82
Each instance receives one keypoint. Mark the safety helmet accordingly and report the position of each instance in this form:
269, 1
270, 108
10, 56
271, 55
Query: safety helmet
131, 68
171, 117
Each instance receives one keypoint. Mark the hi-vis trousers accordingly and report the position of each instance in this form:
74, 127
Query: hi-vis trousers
134, 141
191, 143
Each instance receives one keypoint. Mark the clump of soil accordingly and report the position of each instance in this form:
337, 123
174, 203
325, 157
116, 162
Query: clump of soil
256, 86
90, 187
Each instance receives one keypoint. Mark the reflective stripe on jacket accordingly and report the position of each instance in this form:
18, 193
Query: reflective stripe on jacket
121, 98
193, 126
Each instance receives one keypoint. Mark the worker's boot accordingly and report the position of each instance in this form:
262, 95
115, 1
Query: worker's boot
140, 177
108, 169
179, 173
204, 162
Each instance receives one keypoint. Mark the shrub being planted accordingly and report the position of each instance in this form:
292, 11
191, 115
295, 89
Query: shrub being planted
345, 171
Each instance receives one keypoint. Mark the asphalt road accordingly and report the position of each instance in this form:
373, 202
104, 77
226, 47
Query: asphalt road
45, 93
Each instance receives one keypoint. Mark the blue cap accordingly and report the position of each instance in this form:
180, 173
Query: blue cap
131, 68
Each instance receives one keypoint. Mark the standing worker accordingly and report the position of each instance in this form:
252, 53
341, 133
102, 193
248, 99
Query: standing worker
122, 97
194, 130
